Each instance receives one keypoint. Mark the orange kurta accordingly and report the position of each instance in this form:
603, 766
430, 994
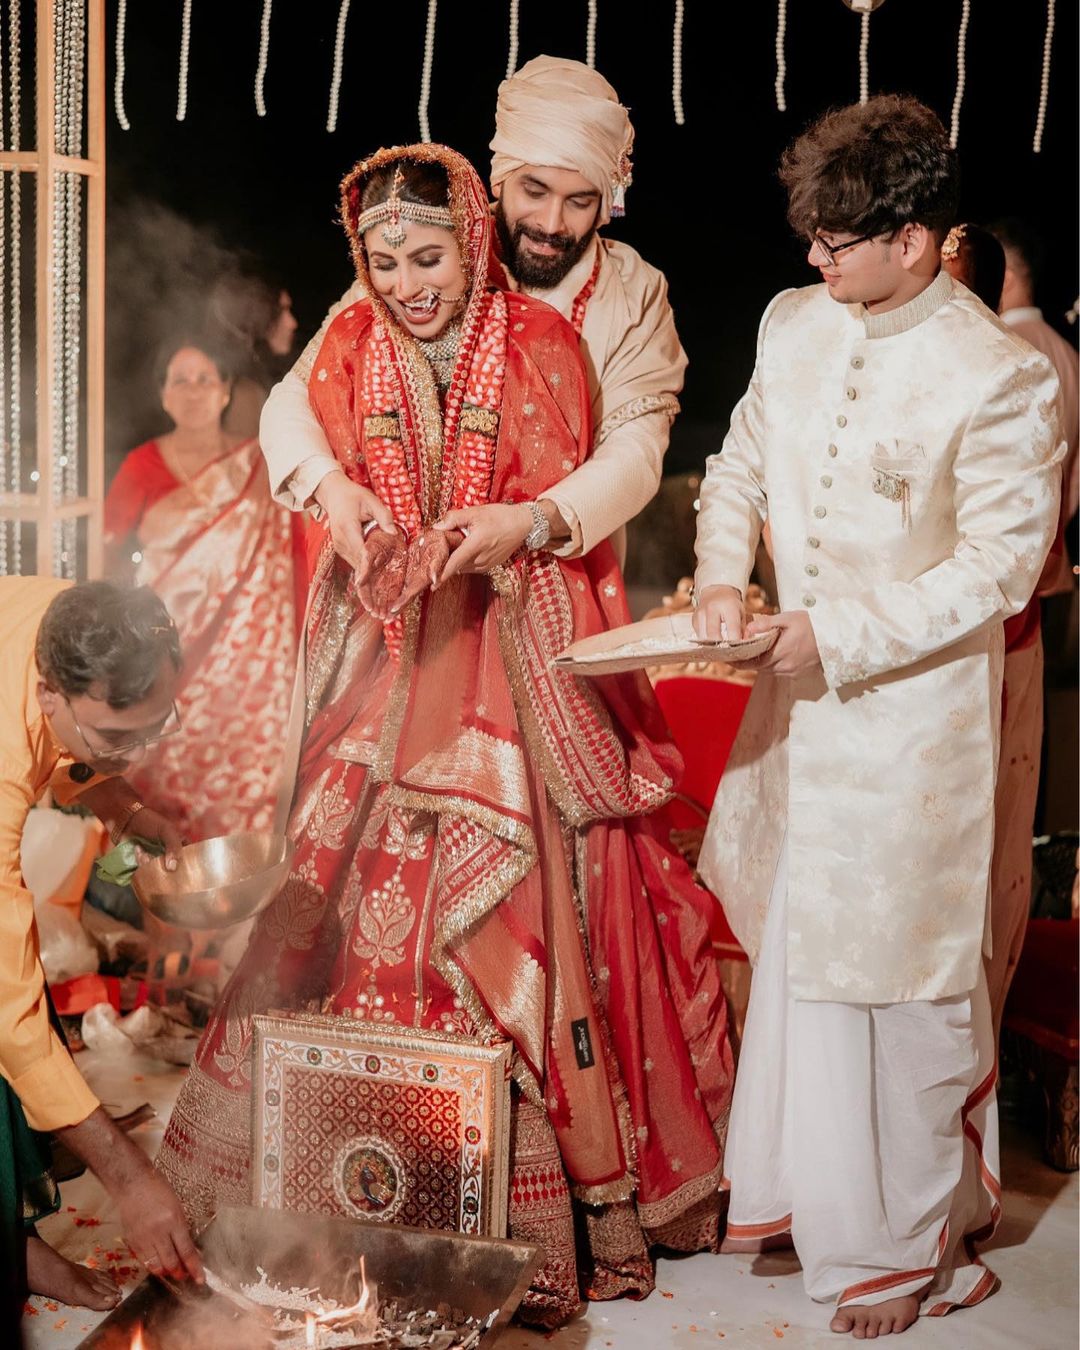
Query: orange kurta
33, 1058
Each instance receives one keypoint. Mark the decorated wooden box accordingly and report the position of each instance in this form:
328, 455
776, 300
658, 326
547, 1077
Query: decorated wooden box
411, 1127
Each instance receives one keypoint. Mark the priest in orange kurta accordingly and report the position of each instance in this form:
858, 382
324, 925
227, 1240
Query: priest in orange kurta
86, 680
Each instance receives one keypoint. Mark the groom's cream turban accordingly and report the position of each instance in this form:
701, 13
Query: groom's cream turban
562, 115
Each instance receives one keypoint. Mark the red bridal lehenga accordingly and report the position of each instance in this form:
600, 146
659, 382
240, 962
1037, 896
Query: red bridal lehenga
224, 557
475, 846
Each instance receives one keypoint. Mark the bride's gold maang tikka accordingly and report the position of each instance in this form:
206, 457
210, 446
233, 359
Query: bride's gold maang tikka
396, 210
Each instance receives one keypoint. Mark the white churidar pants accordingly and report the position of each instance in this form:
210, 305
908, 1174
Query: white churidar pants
869, 1132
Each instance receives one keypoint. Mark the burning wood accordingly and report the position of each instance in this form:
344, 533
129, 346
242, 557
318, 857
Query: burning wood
302, 1320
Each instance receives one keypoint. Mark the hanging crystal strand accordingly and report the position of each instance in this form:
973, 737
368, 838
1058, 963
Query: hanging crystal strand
264, 57
5, 445
590, 37
864, 57
61, 17
1044, 87
185, 51
76, 50
781, 62
425, 77
121, 67
676, 64
14, 483
961, 73
339, 58
512, 54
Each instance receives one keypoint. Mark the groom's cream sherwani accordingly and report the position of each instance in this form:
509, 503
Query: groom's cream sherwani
908, 465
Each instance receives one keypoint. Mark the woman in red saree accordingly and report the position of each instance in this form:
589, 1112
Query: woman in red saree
475, 851
193, 510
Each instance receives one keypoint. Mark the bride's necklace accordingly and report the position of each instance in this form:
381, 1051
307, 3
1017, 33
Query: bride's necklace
441, 353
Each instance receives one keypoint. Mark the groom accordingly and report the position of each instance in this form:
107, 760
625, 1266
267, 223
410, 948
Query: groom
559, 171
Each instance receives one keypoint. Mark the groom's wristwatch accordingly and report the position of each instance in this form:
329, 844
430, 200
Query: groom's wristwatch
540, 533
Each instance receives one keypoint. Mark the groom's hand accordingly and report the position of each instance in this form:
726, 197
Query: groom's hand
348, 508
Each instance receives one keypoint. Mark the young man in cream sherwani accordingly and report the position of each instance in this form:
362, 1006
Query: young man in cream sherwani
904, 446
560, 168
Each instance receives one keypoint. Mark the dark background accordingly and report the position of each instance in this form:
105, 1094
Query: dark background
186, 200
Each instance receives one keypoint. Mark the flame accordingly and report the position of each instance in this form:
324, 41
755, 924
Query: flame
137, 1341
362, 1315
310, 1331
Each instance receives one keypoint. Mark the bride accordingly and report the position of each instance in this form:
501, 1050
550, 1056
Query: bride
475, 851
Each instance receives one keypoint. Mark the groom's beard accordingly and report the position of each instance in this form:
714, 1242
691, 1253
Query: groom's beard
529, 269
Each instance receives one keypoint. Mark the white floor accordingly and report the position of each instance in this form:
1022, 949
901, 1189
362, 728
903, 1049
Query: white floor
701, 1300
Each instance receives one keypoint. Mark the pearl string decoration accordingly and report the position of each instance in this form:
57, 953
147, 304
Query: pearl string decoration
339, 60
781, 63
590, 37
264, 57
961, 72
512, 53
121, 66
1044, 86
185, 49
864, 57
425, 77
676, 64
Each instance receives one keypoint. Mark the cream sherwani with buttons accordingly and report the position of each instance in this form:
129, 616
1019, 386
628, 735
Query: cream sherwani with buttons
907, 463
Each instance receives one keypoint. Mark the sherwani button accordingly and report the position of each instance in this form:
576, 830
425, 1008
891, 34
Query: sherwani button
851, 392
841, 420
809, 601
814, 543
810, 570
826, 481
819, 511
857, 362
832, 452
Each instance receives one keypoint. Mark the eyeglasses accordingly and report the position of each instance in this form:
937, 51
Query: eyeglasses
171, 726
831, 250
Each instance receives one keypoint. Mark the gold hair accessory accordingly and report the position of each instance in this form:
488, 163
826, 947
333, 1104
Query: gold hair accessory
395, 211
951, 247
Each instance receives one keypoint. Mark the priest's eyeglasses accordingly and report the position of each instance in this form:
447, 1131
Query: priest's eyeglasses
829, 251
170, 727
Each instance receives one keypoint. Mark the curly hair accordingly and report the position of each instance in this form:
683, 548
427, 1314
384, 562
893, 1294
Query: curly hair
871, 169
100, 634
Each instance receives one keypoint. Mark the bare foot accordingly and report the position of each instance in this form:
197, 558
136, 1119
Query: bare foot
865, 1321
50, 1274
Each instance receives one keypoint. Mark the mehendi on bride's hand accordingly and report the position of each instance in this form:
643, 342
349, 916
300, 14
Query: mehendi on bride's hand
428, 555
387, 556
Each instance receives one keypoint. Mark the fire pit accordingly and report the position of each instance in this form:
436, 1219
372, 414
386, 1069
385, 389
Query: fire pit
473, 1283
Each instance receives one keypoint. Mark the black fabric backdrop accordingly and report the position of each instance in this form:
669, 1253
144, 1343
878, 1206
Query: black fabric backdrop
187, 199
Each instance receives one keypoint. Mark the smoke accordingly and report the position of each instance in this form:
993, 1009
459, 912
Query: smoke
160, 268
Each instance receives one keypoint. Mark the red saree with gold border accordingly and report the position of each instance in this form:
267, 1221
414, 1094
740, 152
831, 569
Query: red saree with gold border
223, 556
475, 850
